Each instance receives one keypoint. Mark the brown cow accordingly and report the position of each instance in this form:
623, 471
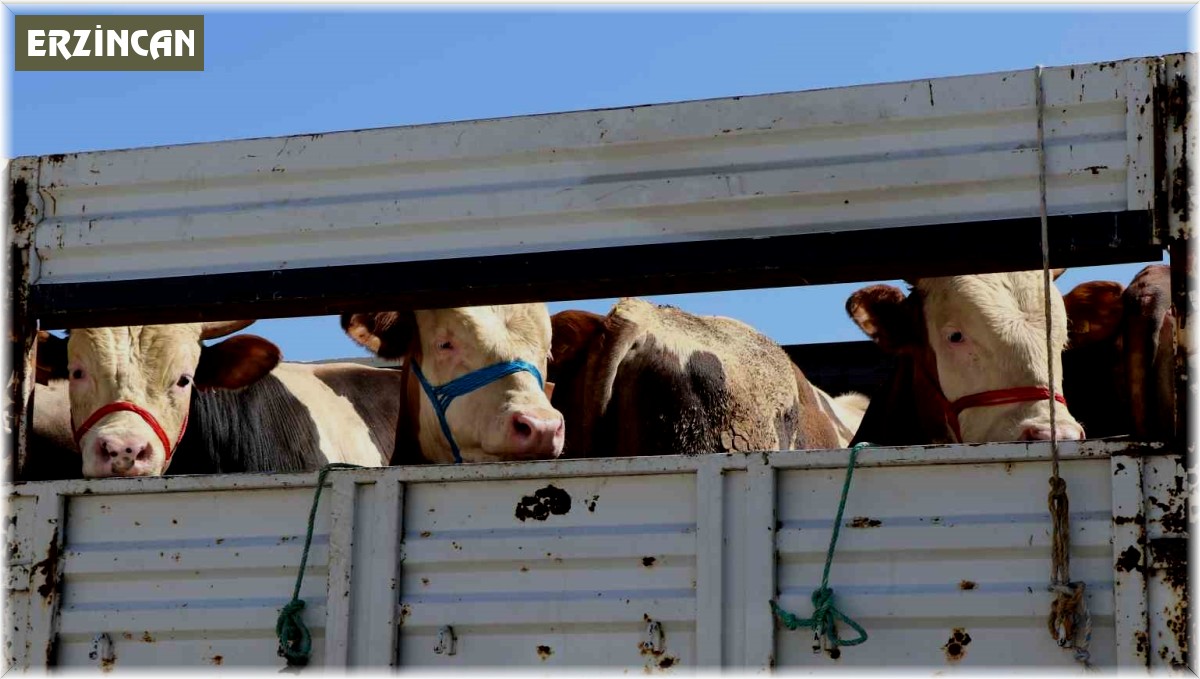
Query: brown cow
485, 367
970, 355
1119, 369
655, 380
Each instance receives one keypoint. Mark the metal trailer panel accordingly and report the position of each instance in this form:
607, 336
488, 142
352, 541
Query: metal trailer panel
925, 152
645, 564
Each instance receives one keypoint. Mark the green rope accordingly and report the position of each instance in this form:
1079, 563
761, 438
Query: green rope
825, 615
295, 641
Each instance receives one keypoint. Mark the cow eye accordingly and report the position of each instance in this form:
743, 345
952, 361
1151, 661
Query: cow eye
956, 337
77, 374
184, 380
446, 346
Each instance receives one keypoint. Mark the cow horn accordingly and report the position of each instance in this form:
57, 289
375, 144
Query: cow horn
221, 328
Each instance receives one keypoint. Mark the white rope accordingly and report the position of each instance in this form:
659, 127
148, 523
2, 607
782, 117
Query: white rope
1041, 142
1066, 626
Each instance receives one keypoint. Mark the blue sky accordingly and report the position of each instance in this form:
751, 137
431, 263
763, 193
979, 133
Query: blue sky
285, 71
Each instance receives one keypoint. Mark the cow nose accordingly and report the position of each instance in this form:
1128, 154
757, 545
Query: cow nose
122, 453
538, 434
1041, 432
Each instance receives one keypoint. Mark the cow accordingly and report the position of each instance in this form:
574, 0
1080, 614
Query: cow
845, 412
969, 360
151, 400
656, 380
1119, 365
473, 383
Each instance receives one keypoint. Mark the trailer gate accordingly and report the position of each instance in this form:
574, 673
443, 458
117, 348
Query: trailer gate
661, 563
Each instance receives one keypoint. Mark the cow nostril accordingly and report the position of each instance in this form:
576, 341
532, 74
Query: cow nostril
129, 450
522, 428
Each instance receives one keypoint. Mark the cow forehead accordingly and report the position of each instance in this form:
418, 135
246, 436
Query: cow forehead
501, 325
998, 297
149, 346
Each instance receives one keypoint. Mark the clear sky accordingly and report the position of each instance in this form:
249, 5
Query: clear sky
281, 71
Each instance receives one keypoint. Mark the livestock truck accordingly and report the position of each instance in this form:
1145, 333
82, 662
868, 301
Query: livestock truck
662, 564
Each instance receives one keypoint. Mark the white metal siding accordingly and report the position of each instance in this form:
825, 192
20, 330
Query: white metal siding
193, 579
924, 551
921, 152
182, 570
574, 588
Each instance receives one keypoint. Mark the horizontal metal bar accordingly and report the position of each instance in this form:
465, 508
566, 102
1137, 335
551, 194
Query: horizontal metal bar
906, 456
733, 264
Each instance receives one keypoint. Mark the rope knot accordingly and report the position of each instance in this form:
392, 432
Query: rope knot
825, 615
295, 641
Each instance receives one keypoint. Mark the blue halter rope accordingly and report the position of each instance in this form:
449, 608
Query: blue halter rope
441, 396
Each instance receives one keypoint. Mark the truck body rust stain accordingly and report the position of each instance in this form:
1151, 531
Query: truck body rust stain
956, 646
543, 503
49, 569
1130, 560
864, 522
544, 652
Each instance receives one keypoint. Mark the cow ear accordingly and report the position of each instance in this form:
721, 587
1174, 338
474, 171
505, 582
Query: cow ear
884, 314
51, 357
1094, 312
236, 362
387, 334
572, 333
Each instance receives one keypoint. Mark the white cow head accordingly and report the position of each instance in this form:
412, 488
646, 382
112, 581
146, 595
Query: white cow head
507, 419
131, 387
977, 334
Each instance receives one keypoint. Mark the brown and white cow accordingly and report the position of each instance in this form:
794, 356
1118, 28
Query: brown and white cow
970, 360
473, 387
145, 399
1119, 367
655, 380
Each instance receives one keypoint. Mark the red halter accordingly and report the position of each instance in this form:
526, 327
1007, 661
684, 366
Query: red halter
997, 397
140, 411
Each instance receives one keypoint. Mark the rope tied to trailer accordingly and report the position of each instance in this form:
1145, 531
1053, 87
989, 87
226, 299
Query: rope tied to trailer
295, 641
1070, 622
825, 614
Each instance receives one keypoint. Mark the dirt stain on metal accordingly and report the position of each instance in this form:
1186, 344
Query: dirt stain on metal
864, 522
967, 584
1130, 560
544, 652
217, 660
956, 647
49, 568
648, 561
543, 503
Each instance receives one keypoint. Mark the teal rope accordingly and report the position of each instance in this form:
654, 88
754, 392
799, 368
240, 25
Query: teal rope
825, 615
295, 641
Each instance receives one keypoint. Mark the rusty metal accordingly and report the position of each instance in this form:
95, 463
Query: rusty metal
1168, 531
23, 217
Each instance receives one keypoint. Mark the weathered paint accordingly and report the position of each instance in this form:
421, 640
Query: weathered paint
725, 533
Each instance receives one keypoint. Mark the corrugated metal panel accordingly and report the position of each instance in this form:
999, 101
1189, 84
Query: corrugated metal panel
193, 579
572, 562
576, 581
913, 153
926, 551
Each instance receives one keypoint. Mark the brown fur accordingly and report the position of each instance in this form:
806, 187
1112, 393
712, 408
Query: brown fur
1120, 368
651, 380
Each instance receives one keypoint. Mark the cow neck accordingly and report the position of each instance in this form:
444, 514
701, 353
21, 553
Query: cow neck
407, 448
